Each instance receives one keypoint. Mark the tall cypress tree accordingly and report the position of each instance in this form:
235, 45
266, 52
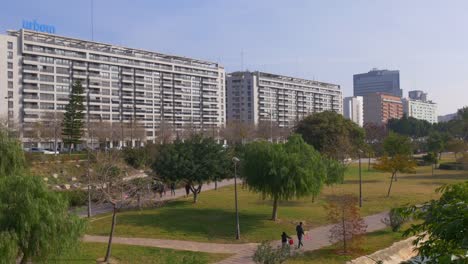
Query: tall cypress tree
73, 119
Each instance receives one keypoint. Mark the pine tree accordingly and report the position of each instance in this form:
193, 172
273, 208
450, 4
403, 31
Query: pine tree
73, 118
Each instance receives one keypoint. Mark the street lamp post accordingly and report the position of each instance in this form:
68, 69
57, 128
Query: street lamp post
236, 160
360, 179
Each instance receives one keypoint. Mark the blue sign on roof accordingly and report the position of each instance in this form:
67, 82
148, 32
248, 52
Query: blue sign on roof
33, 25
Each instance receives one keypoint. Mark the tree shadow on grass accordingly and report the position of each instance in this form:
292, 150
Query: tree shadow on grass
357, 181
212, 224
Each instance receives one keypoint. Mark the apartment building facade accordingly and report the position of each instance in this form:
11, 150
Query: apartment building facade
122, 85
377, 81
380, 107
253, 97
353, 109
419, 107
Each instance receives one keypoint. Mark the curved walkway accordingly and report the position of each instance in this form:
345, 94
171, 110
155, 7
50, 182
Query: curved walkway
319, 237
97, 209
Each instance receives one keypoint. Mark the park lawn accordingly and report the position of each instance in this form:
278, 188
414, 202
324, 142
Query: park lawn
372, 242
88, 253
212, 219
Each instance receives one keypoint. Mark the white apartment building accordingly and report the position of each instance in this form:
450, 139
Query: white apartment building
353, 109
258, 96
121, 84
425, 110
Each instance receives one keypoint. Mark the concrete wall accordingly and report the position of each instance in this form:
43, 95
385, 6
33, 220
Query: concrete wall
395, 254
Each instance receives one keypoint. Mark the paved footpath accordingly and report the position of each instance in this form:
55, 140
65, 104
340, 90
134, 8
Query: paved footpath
318, 238
97, 209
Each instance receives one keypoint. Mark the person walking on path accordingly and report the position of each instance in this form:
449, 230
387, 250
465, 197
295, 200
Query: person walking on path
300, 235
284, 239
173, 189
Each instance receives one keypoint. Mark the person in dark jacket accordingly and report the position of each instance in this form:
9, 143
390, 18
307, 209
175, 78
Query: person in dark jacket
173, 188
300, 234
284, 239
187, 190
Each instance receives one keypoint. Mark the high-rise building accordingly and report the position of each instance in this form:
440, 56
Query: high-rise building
122, 85
419, 107
258, 96
380, 107
417, 95
353, 109
377, 81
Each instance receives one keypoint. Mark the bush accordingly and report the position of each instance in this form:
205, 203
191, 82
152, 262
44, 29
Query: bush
266, 254
140, 158
453, 166
75, 197
394, 220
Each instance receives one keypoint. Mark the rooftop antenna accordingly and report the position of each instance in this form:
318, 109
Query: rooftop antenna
242, 60
92, 20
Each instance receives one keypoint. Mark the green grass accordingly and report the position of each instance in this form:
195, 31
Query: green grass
329, 255
213, 219
124, 254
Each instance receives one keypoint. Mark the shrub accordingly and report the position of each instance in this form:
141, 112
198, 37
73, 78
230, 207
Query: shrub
266, 254
394, 220
453, 166
76, 197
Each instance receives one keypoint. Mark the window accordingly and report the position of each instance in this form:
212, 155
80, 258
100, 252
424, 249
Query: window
10, 104
44, 96
10, 65
10, 75
10, 94
10, 85
10, 45
10, 55
47, 106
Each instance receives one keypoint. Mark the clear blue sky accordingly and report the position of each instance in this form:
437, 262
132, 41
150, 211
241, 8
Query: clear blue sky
325, 40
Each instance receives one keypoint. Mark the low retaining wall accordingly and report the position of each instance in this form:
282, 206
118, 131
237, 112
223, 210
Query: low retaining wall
395, 254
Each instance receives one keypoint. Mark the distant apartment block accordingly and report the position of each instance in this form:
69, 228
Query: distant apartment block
122, 85
380, 107
253, 97
419, 107
377, 81
446, 118
353, 109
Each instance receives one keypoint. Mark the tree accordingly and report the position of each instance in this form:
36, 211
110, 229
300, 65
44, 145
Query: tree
436, 142
284, 171
397, 157
410, 126
396, 164
348, 226
396, 144
35, 221
238, 132
195, 161
331, 134
12, 160
53, 127
456, 146
112, 187
73, 117
443, 231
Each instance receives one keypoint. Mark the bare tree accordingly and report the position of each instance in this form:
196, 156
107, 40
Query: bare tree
100, 132
349, 226
165, 132
113, 188
238, 132
52, 128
